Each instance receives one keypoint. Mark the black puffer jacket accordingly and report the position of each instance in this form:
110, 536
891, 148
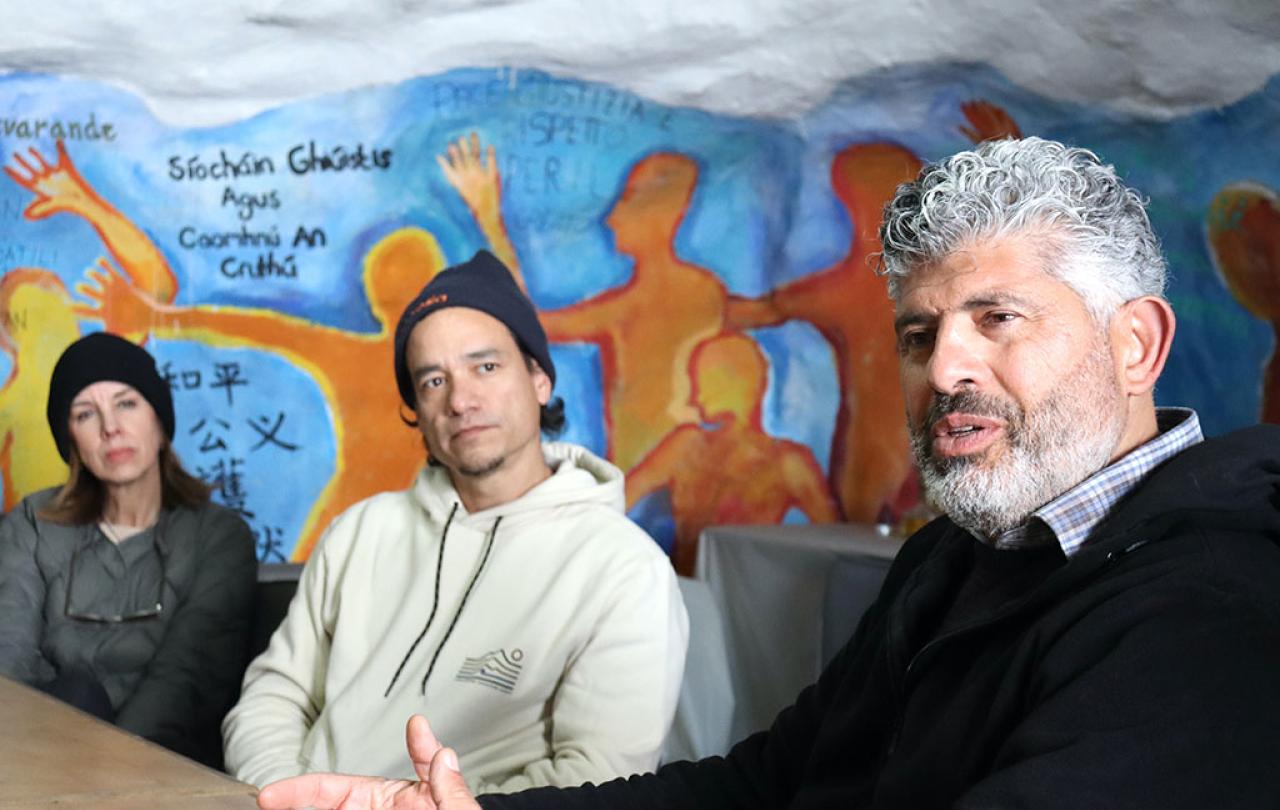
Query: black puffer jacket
1142, 673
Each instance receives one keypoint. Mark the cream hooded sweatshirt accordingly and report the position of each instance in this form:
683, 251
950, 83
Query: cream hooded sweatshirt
544, 639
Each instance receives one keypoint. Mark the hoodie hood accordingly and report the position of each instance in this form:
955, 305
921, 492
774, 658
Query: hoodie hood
578, 478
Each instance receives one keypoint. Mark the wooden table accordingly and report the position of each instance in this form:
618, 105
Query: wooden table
52, 755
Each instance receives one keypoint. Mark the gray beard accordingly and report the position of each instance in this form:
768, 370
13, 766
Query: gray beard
1047, 450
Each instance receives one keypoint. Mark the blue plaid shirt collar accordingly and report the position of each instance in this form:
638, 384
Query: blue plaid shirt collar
1070, 518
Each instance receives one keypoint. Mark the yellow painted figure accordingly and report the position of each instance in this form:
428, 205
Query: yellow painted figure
36, 325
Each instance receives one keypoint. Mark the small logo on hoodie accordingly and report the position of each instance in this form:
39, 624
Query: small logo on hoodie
498, 669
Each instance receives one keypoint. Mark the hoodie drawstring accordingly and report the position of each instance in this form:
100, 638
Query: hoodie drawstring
484, 559
435, 602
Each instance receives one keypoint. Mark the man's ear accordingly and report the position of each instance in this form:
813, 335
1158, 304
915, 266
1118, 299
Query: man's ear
1141, 334
541, 382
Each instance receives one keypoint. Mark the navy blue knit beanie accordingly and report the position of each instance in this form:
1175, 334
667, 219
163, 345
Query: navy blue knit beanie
97, 357
482, 283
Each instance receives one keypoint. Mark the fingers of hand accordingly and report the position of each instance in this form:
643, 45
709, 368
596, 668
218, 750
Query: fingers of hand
85, 290
447, 786
312, 790
421, 741
422, 745
44, 164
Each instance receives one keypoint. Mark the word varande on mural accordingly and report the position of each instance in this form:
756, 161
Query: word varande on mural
301, 159
64, 130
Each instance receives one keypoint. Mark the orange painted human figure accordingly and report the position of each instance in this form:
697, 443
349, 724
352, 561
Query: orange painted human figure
646, 328
728, 470
39, 320
1243, 231
36, 325
372, 456
850, 307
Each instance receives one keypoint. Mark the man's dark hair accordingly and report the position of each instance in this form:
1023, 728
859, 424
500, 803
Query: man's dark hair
550, 416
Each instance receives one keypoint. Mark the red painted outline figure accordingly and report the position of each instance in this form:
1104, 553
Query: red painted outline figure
849, 306
730, 470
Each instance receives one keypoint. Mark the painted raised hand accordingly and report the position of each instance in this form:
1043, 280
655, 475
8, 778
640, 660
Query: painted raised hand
58, 187
987, 122
122, 307
473, 173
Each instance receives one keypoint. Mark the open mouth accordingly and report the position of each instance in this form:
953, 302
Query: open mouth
959, 434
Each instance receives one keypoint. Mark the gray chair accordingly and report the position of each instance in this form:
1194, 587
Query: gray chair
852, 585
705, 708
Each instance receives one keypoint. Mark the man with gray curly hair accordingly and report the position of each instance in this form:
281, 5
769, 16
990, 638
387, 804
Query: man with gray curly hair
1095, 619
1057, 245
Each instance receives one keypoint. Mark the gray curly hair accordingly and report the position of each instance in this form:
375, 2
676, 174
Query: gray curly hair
1101, 244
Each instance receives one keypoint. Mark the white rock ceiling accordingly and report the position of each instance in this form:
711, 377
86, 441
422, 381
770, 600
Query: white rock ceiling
200, 62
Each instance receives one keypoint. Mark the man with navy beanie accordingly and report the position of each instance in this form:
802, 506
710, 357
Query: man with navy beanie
505, 594
484, 284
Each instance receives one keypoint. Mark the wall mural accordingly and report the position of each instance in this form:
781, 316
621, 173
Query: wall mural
704, 279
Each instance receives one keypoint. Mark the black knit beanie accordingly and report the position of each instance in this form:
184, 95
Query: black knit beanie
97, 357
483, 283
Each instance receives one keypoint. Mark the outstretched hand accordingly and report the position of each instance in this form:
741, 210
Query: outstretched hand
441, 788
988, 122
123, 308
473, 173
58, 187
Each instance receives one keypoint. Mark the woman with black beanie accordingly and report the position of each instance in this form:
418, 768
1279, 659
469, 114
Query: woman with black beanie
125, 591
